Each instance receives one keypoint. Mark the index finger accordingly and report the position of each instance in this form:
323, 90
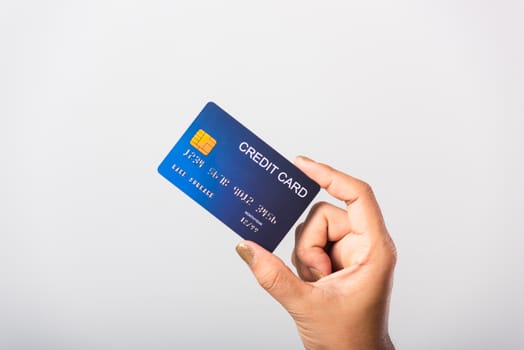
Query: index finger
362, 207
338, 184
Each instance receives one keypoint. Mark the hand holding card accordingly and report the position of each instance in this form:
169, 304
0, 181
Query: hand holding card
345, 259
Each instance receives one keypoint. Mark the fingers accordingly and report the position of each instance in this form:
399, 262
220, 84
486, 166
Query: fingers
325, 223
273, 275
362, 208
336, 183
332, 238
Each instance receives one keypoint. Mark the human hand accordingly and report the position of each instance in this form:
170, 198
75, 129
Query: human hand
345, 259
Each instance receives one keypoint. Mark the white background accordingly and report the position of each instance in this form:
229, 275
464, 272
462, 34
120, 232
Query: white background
422, 99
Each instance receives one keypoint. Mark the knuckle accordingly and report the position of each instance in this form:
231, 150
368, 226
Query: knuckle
365, 190
314, 213
389, 253
319, 206
365, 187
294, 258
298, 230
393, 253
301, 252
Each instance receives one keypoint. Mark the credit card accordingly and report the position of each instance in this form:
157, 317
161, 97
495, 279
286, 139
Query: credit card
238, 178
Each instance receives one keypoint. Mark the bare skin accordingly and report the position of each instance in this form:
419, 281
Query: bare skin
344, 258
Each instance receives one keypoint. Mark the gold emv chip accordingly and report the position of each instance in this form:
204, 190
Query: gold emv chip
203, 142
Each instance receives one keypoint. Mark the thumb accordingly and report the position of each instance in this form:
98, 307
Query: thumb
273, 275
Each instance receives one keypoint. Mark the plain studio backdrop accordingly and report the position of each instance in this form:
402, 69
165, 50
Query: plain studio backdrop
422, 99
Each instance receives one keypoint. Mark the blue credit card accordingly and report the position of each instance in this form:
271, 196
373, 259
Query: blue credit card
238, 178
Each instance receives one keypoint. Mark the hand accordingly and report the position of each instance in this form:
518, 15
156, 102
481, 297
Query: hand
345, 259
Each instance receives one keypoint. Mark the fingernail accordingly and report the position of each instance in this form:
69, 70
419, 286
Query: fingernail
307, 159
245, 253
316, 273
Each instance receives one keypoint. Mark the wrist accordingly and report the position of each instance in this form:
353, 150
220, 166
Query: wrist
335, 334
361, 343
